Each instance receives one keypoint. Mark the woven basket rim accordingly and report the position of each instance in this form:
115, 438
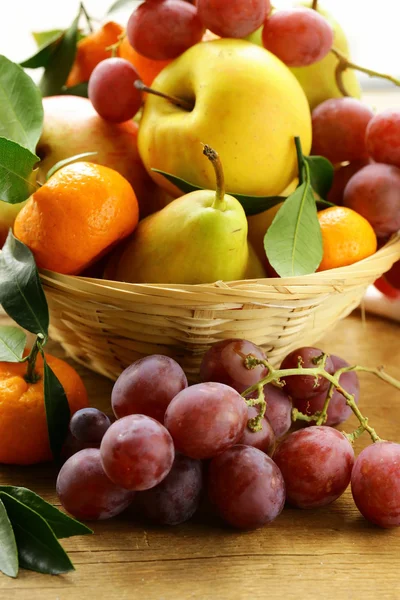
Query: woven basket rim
351, 273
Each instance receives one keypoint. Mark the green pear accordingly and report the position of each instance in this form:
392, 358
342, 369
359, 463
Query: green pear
198, 238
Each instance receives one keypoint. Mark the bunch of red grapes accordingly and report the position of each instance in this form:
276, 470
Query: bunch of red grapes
172, 445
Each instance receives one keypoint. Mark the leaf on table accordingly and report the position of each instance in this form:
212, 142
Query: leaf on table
8, 546
252, 205
68, 161
12, 343
121, 4
321, 174
17, 178
62, 525
57, 410
60, 63
45, 51
21, 292
293, 242
38, 548
21, 110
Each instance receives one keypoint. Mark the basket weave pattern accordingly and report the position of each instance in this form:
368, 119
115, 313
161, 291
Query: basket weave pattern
108, 325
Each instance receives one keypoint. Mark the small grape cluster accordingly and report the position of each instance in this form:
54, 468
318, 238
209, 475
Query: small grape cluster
171, 444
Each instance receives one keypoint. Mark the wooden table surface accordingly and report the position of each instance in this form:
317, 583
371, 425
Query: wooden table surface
328, 553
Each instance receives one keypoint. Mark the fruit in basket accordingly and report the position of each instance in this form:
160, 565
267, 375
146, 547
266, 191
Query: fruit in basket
316, 465
298, 36
23, 427
271, 104
375, 483
78, 215
341, 177
233, 19
91, 50
347, 237
72, 126
198, 238
383, 137
112, 92
389, 283
206, 419
86, 492
137, 452
147, 387
374, 192
163, 29
148, 68
246, 487
339, 127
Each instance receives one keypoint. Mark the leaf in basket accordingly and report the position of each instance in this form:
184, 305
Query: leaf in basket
57, 410
8, 546
17, 178
321, 173
252, 205
21, 111
42, 57
12, 343
68, 161
21, 293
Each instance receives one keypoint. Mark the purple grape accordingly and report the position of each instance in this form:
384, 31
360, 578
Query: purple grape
88, 425
279, 409
303, 386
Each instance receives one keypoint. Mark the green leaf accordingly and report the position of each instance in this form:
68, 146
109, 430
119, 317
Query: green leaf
16, 172
81, 89
12, 344
68, 161
321, 172
38, 548
61, 61
44, 37
21, 292
57, 410
322, 204
252, 205
62, 525
42, 57
293, 242
21, 110
8, 546
121, 4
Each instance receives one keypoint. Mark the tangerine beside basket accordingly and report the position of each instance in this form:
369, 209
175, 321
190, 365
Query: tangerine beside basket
108, 325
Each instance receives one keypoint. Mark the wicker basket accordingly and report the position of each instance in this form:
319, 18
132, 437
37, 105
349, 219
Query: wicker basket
107, 325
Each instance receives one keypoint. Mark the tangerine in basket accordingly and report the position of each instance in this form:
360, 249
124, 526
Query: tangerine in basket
147, 68
347, 237
72, 220
91, 50
23, 427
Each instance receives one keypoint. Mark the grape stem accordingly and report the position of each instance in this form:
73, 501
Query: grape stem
219, 202
139, 85
255, 424
344, 63
113, 48
276, 375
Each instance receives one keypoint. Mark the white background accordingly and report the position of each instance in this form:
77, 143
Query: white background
372, 27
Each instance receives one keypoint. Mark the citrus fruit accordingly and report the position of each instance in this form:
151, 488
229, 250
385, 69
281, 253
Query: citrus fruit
347, 237
147, 68
23, 426
74, 218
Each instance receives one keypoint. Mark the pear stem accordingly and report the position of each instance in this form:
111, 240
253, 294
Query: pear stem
344, 63
219, 202
139, 85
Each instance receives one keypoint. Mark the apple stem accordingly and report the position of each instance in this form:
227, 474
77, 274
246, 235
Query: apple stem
314, 5
219, 202
139, 85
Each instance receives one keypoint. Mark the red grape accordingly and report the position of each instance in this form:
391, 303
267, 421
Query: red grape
112, 92
339, 126
389, 283
89, 425
338, 409
86, 492
304, 386
279, 409
316, 465
341, 177
206, 419
163, 29
233, 18
71, 446
177, 497
375, 483
264, 440
383, 137
298, 36
246, 487
147, 387
137, 452
374, 192
223, 362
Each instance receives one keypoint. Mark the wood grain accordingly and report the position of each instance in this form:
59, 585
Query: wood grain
324, 554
